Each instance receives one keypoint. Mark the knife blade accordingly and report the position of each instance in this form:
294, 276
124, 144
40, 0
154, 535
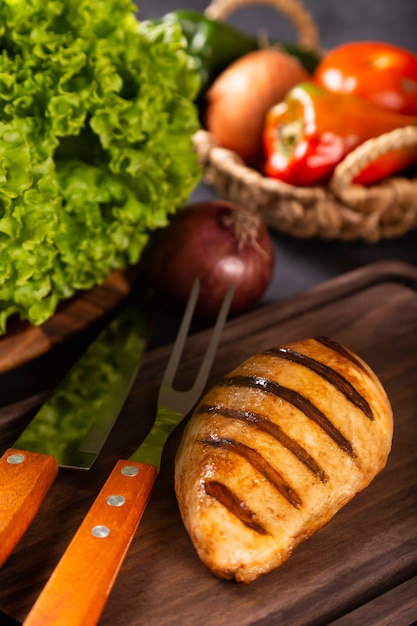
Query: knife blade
71, 427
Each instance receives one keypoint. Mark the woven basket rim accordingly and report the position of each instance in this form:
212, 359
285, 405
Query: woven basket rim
307, 32
338, 210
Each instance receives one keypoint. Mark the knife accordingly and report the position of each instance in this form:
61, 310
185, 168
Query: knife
70, 429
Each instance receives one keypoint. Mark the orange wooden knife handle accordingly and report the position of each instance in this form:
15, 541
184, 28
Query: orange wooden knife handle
78, 588
25, 478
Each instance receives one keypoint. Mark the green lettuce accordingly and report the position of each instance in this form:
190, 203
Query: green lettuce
97, 115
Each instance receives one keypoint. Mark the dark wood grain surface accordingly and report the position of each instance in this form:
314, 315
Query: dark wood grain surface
360, 569
24, 342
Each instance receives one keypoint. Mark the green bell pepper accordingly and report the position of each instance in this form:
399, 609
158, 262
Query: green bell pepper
214, 45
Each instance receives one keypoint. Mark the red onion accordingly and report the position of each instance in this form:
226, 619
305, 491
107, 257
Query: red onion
220, 243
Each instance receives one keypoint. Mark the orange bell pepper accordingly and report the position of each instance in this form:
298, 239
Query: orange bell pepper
313, 129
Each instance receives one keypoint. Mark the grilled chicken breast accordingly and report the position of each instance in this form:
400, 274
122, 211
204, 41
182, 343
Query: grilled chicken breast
275, 449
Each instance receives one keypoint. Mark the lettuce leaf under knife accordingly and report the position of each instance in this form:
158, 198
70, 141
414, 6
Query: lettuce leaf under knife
96, 118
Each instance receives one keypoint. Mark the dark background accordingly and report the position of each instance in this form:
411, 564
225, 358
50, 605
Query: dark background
304, 263
337, 20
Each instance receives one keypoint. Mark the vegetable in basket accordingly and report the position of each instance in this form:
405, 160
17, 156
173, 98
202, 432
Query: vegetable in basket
377, 71
312, 130
215, 44
238, 100
97, 114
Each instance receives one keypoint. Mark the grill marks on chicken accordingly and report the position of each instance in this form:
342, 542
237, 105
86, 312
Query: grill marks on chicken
258, 462
327, 373
232, 503
337, 347
263, 423
275, 449
298, 400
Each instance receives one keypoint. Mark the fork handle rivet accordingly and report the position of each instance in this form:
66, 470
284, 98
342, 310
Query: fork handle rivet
130, 470
100, 531
115, 500
15, 459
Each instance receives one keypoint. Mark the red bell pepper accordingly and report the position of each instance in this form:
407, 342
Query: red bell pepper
313, 129
380, 72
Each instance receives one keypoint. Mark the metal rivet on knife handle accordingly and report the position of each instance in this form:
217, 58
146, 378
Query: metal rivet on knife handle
15, 459
129, 470
23, 486
26, 474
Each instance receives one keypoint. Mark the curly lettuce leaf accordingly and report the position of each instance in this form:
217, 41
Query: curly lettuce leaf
96, 118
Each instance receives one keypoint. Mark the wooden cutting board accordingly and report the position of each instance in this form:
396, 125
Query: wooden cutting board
360, 569
24, 342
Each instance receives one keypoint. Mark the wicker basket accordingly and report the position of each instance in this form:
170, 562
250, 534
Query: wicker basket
339, 210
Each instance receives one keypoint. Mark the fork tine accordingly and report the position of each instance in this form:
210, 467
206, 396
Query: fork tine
205, 366
182, 401
181, 336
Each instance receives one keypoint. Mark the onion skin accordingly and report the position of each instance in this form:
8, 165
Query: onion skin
238, 100
198, 244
